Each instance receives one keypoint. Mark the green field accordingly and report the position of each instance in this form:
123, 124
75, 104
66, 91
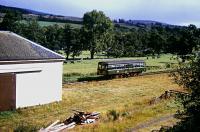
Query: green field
45, 23
85, 68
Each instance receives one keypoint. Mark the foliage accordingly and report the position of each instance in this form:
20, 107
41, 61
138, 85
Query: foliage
95, 27
156, 41
10, 20
113, 115
71, 41
188, 75
97, 34
33, 31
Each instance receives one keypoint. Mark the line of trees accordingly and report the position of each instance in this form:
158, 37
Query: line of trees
99, 34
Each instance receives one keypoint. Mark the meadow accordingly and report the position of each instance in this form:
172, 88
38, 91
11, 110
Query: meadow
46, 23
123, 103
78, 70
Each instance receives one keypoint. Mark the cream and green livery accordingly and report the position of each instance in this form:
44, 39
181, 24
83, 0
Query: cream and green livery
121, 67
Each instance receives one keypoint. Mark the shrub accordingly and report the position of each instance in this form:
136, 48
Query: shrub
113, 115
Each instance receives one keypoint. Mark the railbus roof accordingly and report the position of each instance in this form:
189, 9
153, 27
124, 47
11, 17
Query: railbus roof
121, 62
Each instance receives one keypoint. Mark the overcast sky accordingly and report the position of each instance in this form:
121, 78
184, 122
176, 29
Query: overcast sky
181, 12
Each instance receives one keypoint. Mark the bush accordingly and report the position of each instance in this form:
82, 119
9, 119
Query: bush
113, 115
168, 65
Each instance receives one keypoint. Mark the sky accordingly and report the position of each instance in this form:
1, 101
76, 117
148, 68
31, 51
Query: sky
179, 12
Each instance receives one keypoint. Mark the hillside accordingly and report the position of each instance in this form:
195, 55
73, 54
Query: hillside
41, 16
21, 10
31, 14
141, 24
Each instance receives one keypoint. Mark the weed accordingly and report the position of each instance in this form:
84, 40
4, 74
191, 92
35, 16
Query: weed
113, 115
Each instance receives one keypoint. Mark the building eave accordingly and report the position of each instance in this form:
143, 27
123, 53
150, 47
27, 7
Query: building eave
30, 61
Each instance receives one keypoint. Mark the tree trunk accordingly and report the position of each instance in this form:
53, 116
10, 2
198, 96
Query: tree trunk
92, 54
67, 55
108, 55
73, 56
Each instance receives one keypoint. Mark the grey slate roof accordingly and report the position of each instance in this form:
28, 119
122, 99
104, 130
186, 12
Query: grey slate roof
14, 47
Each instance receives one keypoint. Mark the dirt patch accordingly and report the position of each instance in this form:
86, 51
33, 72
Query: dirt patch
150, 123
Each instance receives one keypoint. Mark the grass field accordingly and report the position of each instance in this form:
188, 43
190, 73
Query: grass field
127, 97
85, 68
45, 23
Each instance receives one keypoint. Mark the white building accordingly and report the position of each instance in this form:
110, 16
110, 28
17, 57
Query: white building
29, 73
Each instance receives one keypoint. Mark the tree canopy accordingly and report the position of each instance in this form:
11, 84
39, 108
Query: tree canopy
188, 76
98, 34
9, 20
95, 26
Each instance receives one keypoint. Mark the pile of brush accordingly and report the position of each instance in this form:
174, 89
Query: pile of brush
79, 118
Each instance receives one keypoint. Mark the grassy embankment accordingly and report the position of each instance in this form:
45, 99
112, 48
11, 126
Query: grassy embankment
86, 69
127, 98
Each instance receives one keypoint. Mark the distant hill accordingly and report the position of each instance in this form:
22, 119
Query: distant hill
21, 10
28, 14
41, 16
141, 23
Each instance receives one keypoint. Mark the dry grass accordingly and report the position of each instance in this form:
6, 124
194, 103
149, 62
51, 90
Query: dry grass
128, 96
169, 123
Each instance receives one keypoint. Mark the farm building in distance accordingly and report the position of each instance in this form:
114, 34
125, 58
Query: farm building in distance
29, 73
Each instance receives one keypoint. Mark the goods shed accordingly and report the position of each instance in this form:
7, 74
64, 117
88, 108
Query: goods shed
30, 74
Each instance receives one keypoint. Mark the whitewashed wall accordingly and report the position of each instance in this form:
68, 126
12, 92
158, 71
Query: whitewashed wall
34, 88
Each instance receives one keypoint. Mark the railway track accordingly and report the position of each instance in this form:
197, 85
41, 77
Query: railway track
102, 78
157, 72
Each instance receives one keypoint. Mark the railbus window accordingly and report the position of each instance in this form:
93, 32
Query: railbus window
111, 67
103, 66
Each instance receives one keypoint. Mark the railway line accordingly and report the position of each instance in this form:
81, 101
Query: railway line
101, 78
157, 72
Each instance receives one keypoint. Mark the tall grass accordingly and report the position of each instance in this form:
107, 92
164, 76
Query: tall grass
123, 103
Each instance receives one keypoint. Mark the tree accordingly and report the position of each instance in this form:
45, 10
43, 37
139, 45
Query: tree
67, 40
187, 41
33, 31
156, 42
109, 41
117, 47
76, 43
9, 20
188, 75
71, 41
53, 37
95, 25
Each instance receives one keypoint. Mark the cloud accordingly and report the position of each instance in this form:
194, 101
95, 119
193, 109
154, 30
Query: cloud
169, 11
